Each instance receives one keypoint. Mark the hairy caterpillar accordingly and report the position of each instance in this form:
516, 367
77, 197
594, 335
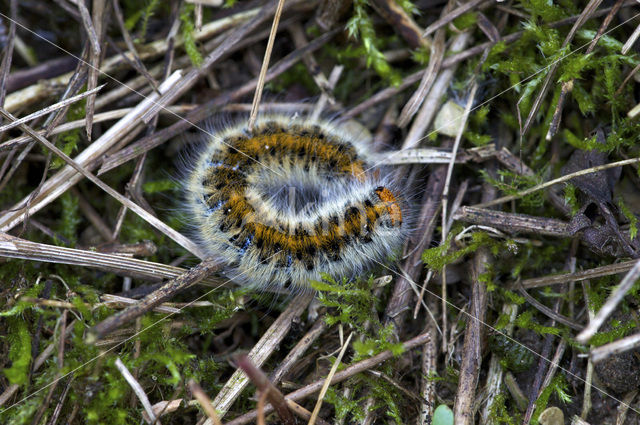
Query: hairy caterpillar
291, 199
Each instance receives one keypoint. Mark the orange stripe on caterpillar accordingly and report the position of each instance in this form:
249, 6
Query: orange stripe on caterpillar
391, 204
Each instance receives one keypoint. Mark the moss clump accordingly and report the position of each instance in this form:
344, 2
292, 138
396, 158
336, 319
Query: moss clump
187, 30
19, 340
558, 386
351, 302
70, 139
361, 26
629, 215
514, 356
502, 414
70, 218
438, 257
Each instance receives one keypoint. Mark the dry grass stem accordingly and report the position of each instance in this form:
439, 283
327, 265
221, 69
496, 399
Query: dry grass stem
50, 109
8, 51
452, 15
551, 69
514, 223
609, 306
430, 106
138, 390
577, 420
327, 382
338, 377
164, 293
267, 390
549, 312
603, 352
472, 353
260, 352
562, 179
623, 408
12, 247
41, 90
594, 273
131, 47
402, 23
149, 218
430, 73
631, 41
204, 401
495, 375
299, 350
265, 65
205, 110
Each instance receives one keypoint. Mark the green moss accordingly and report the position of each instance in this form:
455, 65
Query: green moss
599, 291
369, 347
187, 29
20, 306
297, 74
344, 406
19, 340
149, 10
526, 321
360, 26
606, 41
574, 66
629, 215
137, 230
583, 98
140, 12
512, 184
512, 297
588, 144
408, 7
228, 4
558, 386
388, 400
421, 55
157, 186
23, 415
132, 19
618, 330
438, 257
571, 199
70, 217
351, 302
536, 258
465, 21
624, 134
71, 138
501, 414
515, 356
479, 117
478, 139
106, 401
546, 10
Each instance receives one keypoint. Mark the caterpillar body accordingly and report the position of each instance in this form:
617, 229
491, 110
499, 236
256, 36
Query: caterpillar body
291, 199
